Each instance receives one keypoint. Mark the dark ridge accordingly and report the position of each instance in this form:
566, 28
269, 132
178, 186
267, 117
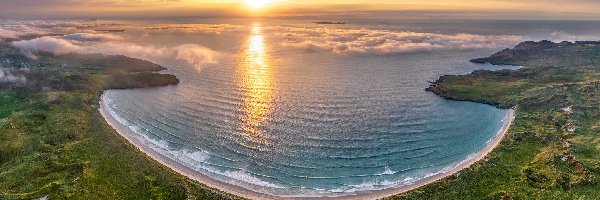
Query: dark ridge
547, 54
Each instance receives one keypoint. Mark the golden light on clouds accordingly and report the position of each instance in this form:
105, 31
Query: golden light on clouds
257, 4
442, 9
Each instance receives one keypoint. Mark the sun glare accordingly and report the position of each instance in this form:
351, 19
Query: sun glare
256, 4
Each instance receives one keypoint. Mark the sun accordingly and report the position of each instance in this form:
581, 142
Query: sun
256, 4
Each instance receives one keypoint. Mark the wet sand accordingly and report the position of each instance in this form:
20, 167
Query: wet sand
240, 191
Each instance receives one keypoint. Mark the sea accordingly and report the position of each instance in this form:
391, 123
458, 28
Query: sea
292, 108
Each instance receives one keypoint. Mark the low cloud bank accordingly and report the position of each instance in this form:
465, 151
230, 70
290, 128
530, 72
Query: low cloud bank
8, 34
386, 42
337, 39
13, 29
7, 76
46, 44
13, 32
193, 54
54, 26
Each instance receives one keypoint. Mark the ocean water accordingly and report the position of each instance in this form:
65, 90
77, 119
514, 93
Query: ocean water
291, 108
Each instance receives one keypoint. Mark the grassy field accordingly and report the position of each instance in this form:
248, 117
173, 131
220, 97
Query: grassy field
553, 148
54, 143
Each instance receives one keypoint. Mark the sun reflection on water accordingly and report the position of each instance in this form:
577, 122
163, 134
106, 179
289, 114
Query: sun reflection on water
257, 84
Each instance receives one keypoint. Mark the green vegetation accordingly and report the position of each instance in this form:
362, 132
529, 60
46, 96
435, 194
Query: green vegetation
139, 80
552, 151
54, 143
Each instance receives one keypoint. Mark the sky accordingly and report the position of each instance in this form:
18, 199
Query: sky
444, 9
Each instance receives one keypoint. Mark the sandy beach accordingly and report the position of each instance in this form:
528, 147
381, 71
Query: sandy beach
179, 168
236, 190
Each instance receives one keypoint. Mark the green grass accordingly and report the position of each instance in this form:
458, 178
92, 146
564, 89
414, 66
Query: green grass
67, 151
139, 80
55, 143
540, 158
10, 103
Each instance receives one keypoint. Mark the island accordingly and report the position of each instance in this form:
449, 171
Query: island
328, 22
110, 30
552, 150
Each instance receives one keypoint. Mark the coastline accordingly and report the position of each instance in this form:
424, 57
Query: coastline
508, 121
129, 135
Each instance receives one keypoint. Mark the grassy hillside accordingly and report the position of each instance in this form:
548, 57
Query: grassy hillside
54, 143
552, 150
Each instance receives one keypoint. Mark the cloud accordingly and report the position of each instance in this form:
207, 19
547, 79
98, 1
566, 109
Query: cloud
8, 34
8, 31
129, 49
193, 54
7, 76
45, 27
46, 44
344, 41
338, 39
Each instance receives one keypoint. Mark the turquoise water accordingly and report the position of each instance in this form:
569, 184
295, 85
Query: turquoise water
292, 121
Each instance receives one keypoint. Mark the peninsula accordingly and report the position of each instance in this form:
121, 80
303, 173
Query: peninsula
56, 144
551, 151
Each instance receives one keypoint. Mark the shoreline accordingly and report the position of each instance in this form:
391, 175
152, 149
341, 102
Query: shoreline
480, 155
129, 135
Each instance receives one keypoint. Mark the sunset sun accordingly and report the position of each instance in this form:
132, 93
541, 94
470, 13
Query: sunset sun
256, 4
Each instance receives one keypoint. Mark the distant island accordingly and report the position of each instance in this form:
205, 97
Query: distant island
110, 30
551, 151
327, 22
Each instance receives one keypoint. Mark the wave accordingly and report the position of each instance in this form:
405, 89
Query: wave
383, 184
200, 161
245, 177
388, 171
194, 159
188, 156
